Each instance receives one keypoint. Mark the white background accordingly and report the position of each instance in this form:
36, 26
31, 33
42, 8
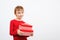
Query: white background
44, 15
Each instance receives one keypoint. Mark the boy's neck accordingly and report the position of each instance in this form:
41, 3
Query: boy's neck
18, 19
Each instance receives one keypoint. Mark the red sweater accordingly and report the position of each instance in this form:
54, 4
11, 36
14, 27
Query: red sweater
13, 30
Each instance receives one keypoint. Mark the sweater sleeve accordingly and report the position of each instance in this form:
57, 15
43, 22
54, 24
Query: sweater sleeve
12, 31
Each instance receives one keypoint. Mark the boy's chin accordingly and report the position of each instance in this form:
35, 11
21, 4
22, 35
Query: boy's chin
19, 18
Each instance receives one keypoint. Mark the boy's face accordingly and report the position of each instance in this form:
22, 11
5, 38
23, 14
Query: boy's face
19, 13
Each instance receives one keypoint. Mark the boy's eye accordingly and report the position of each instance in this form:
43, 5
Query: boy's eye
20, 12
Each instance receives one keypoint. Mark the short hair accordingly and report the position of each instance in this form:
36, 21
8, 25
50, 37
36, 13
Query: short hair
18, 7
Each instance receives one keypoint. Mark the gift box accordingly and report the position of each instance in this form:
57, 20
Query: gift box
26, 29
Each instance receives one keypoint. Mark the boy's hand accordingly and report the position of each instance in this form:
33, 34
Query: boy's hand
19, 32
32, 34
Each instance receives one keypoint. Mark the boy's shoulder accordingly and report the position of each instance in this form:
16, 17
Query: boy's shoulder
12, 20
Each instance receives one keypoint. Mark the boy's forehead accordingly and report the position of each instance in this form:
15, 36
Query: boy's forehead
19, 9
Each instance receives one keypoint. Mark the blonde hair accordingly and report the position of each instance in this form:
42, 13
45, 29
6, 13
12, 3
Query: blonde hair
18, 8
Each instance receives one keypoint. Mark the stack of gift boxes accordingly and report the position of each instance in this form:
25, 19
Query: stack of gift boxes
26, 29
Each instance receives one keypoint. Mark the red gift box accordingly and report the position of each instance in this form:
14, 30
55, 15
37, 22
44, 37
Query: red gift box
26, 29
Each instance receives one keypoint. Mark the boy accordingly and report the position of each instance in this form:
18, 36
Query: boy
14, 29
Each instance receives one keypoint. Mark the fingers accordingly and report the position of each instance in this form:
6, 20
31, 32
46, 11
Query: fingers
19, 32
32, 34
